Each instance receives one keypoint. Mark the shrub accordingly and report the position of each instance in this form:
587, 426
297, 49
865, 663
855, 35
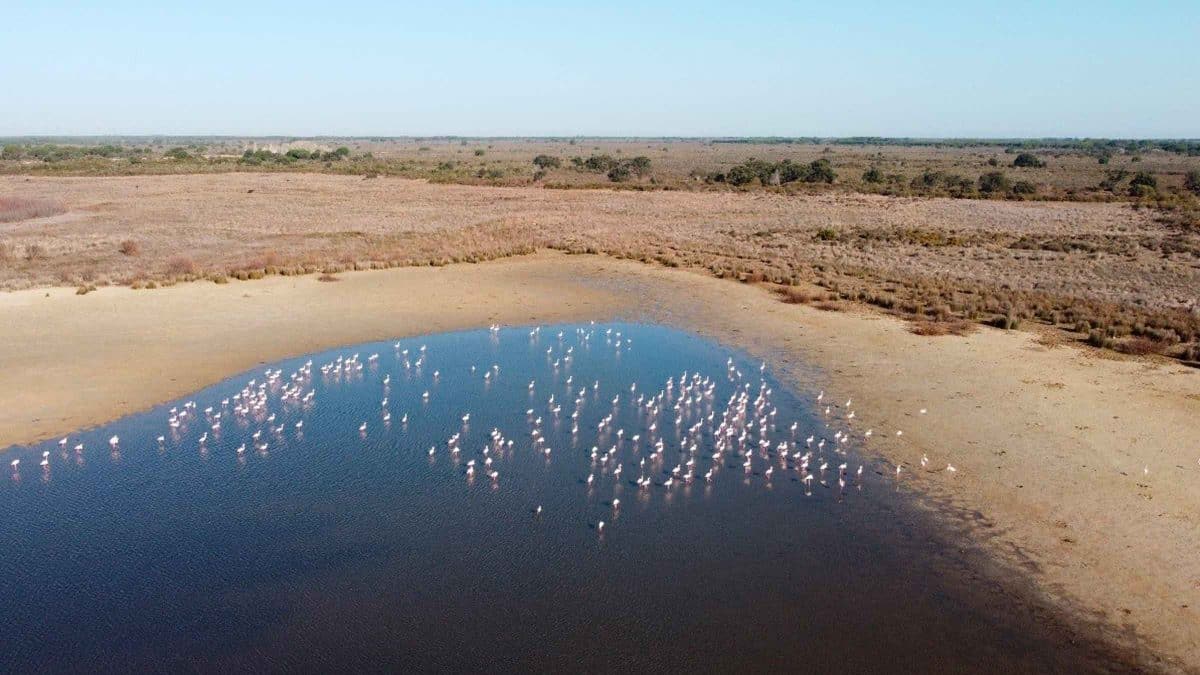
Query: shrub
544, 162
34, 252
827, 234
1141, 346
619, 173
639, 165
820, 171
181, 265
1028, 160
1144, 178
130, 247
1143, 184
1099, 338
993, 181
12, 151
599, 163
479, 152
1191, 181
177, 153
789, 172
1024, 187
794, 295
872, 175
1007, 322
746, 172
938, 328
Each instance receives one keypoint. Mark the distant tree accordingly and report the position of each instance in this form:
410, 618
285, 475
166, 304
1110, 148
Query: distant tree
993, 181
872, 175
342, 151
545, 162
1028, 160
298, 153
1191, 181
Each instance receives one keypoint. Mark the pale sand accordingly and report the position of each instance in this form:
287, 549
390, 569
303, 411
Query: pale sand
1051, 444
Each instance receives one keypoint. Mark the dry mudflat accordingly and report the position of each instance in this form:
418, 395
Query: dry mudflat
1076, 469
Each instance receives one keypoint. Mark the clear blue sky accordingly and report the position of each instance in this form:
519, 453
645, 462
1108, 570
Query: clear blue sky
834, 68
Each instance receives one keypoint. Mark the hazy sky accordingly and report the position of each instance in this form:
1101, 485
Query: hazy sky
833, 68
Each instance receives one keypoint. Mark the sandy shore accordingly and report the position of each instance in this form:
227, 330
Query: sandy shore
1078, 470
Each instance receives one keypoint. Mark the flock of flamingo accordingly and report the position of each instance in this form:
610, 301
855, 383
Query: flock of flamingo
661, 439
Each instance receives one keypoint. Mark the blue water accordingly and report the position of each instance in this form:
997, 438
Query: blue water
331, 548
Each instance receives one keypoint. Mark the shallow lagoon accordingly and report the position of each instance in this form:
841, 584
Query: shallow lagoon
335, 548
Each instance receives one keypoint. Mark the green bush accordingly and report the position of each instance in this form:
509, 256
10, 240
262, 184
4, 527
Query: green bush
872, 175
993, 181
820, 171
640, 165
600, 163
750, 170
544, 162
1028, 160
619, 173
1143, 184
1024, 187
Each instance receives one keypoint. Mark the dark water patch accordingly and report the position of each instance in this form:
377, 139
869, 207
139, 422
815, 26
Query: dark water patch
320, 547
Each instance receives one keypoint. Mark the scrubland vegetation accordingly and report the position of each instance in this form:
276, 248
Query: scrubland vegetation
1115, 275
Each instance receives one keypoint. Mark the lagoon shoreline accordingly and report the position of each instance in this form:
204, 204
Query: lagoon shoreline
1074, 469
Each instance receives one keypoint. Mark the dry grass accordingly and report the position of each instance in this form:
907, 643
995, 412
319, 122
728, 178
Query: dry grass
1079, 266
938, 328
795, 295
15, 209
181, 265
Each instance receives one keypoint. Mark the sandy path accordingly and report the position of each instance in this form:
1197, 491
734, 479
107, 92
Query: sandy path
1080, 471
